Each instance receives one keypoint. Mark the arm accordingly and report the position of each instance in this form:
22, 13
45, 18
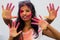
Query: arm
51, 32
6, 13
46, 28
13, 30
54, 31
52, 16
49, 20
52, 13
7, 21
48, 33
11, 38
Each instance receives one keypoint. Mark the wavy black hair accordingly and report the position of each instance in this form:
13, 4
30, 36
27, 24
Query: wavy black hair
22, 23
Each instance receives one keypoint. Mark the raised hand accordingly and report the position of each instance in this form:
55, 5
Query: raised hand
52, 11
6, 13
13, 29
40, 22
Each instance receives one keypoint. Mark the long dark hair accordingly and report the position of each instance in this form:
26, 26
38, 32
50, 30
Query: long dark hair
22, 23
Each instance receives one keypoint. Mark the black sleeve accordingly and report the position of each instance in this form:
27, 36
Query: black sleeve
49, 21
7, 21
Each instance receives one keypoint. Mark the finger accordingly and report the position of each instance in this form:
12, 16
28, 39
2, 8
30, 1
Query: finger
52, 6
14, 23
35, 20
19, 32
46, 22
12, 8
10, 5
40, 17
34, 23
57, 9
48, 8
18, 25
39, 30
9, 26
7, 6
2, 7
45, 16
14, 17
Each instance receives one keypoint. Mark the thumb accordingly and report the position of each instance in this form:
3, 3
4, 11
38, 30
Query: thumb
14, 17
19, 32
45, 16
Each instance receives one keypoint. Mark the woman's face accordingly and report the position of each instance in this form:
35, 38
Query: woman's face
25, 13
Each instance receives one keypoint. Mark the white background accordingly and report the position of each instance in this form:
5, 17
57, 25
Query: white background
40, 6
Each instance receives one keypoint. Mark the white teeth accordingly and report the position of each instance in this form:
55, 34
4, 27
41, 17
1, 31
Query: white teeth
24, 16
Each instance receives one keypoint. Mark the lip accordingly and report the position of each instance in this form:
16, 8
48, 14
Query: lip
25, 17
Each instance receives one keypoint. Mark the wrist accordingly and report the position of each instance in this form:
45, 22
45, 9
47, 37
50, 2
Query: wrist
49, 20
45, 28
10, 38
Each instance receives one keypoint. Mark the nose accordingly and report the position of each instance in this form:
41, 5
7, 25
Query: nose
24, 13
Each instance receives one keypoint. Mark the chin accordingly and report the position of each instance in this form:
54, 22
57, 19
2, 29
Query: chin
26, 19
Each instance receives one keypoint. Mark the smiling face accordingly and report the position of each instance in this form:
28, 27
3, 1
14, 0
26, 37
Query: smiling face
25, 13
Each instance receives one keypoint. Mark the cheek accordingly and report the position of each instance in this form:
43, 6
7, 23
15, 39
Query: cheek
21, 11
30, 15
20, 14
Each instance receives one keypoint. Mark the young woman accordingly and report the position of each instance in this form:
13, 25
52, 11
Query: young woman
27, 25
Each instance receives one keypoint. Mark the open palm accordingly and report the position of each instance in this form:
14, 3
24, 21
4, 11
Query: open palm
6, 13
40, 22
13, 29
52, 11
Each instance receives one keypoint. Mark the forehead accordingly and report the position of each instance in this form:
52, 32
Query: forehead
25, 7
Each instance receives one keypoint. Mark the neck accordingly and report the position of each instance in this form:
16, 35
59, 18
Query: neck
27, 25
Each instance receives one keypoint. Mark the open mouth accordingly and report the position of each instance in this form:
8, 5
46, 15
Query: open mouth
24, 17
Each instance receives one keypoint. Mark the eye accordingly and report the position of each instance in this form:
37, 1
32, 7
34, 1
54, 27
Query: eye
27, 10
21, 11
